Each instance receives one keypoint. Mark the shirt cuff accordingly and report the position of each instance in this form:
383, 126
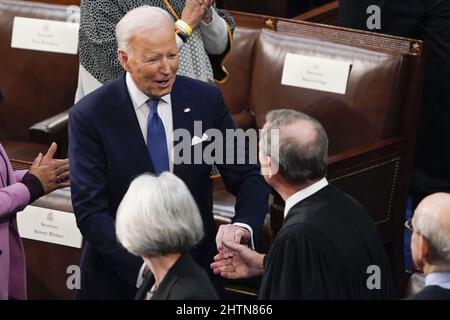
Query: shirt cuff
246, 226
140, 278
180, 42
215, 34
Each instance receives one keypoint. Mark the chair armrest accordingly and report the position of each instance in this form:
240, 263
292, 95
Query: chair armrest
51, 129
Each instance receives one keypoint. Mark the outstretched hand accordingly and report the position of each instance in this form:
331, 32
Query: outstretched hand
231, 233
241, 262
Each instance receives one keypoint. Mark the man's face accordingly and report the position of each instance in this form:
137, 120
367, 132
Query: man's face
152, 60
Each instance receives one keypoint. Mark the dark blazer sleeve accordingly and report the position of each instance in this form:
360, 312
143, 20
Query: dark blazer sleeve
242, 180
88, 167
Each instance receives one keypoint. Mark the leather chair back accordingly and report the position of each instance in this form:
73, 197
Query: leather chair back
36, 84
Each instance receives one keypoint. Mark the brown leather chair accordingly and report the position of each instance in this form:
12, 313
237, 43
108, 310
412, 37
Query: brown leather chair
36, 85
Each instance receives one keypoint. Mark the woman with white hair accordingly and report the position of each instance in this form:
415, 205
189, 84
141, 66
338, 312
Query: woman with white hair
159, 221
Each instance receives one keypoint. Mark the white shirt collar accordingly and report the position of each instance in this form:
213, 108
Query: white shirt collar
137, 96
303, 194
441, 279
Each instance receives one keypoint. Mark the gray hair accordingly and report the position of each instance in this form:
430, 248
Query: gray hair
431, 224
144, 16
297, 160
158, 216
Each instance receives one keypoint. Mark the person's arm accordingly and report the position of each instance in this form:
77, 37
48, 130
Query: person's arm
242, 180
88, 177
19, 174
97, 40
215, 33
13, 198
31, 184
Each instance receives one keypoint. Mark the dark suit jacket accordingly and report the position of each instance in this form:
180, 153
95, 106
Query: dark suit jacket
184, 281
431, 293
107, 150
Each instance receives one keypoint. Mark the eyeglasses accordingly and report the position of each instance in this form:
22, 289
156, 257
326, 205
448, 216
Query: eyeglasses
408, 225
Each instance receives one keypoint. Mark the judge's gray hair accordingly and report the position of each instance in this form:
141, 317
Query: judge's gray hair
158, 216
144, 16
298, 159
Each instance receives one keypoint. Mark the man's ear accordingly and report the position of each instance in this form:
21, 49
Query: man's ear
123, 58
424, 245
274, 167
267, 166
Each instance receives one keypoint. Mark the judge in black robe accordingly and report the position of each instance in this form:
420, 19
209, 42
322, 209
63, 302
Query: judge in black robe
328, 247
325, 250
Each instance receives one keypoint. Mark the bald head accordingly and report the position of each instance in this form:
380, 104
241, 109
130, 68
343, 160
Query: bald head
301, 131
432, 220
142, 18
303, 145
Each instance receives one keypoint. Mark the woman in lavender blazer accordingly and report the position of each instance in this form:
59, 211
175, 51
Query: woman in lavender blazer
17, 190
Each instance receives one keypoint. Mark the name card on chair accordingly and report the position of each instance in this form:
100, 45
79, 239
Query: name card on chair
45, 35
315, 73
49, 225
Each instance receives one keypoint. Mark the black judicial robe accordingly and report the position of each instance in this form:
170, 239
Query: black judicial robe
323, 251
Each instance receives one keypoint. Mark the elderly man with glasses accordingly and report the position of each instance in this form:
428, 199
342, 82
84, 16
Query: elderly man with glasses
430, 245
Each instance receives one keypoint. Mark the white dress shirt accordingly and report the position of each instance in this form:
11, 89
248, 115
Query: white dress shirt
441, 279
303, 194
139, 100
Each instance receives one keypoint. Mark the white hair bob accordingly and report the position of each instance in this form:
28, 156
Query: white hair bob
158, 216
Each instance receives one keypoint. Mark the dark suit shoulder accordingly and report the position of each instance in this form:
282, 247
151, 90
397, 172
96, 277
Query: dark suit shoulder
336, 218
328, 205
105, 96
432, 293
186, 281
194, 286
187, 81
194, 87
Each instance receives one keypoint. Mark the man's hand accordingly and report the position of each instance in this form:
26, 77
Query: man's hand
244, 262
231, 233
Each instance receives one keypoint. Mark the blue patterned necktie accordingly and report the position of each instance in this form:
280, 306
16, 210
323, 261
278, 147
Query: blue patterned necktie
156, 139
